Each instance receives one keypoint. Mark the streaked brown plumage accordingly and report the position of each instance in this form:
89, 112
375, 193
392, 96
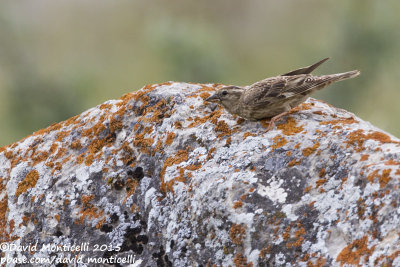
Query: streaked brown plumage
274, 97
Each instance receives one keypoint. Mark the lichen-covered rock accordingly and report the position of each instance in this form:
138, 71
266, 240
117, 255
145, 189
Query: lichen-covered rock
171, 180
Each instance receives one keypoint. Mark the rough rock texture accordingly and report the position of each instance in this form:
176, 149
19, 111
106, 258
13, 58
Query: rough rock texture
164, 176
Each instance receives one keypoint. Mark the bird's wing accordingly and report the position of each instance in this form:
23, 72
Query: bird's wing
306, 70
280, 88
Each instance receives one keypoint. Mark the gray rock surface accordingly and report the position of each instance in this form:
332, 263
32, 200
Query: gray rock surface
168, 179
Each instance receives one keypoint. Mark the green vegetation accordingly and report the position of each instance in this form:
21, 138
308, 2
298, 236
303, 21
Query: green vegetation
58, 58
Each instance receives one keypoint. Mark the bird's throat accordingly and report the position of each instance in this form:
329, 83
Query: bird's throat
234, 109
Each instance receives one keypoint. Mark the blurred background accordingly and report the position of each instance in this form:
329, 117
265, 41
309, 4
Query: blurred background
59, 58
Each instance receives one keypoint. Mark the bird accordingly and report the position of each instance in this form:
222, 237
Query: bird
274, 97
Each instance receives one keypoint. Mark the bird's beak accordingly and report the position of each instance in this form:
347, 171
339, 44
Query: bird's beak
213, 98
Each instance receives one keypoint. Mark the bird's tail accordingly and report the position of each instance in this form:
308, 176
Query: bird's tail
325, 80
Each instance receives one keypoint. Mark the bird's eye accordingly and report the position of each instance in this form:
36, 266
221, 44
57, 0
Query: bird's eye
224, 92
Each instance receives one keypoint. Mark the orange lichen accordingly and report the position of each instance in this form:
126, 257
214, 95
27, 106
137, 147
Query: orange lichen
25, 221
361, 207
4, 234
58, 166
95, 130
212, 117
39, 157
339, 121
247, 134
392, 162
241, 261
211, 152
2, 185
302, 106
237, 234
205, 95
131, 185
286, 233
364, 157
180, 156
116, 123
354, 252
311, 204
159, 147
89, 160
30, 181
128, 155
279, 141
61, 152
205, 88
320, 182
318, 112
298, 238
309, 150
53, 127
356, 139
383, 179
105, 106
228, 141
61, 135
308, 188
320, 133
193, 167
76, 144
290, 127
178, 125
86, 199
170, 138
237, 204
265, 123
316, 263
100, 223
222, 127
73, 121
49, 164
322, 172
134, 208
158, 111
294, 162
264, 252
371, 176
53, 148
88, 210
144, 143
79, 159
140, 94
381, 137
8, 154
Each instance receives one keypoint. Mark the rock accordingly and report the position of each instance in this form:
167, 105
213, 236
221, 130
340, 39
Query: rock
168, 179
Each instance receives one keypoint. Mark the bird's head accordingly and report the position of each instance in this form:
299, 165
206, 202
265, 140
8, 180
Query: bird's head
227, 96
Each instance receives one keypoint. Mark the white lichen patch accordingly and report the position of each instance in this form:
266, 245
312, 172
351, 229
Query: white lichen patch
273, 191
